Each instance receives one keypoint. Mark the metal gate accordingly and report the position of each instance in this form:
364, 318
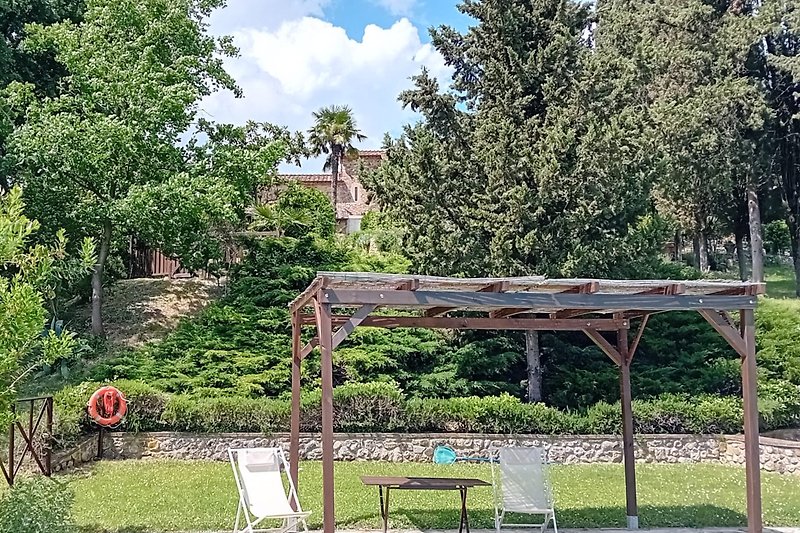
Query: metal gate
25, 439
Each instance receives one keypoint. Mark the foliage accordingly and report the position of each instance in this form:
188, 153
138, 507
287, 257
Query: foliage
19, 63
28, 279
509, 173
103, 157
777, 239
296, 212
381, 407
37, 505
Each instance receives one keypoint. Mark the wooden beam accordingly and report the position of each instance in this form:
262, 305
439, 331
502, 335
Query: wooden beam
408, 285
304, 298
347, 328
751, 438
604, 345
728, 332
309, 347
753, 289
665, 290
498, 286
354, 297
483, 323
583, 288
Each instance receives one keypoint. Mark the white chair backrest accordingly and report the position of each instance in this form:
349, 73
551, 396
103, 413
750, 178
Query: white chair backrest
262, 484
523, 480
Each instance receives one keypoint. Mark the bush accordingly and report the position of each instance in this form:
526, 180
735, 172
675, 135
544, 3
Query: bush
226, 415
37, 505
381, 407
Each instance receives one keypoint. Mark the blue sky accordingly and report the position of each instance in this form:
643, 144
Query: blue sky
300, 55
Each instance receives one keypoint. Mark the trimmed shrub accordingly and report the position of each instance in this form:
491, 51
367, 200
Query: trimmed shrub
37, 505
226, 415
361, 407
381, 407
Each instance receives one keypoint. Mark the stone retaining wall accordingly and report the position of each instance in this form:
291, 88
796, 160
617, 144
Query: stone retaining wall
776, 455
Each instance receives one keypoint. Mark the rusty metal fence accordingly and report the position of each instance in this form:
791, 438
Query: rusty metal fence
27, 440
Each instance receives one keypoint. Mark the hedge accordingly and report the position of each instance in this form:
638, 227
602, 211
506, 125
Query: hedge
381, 407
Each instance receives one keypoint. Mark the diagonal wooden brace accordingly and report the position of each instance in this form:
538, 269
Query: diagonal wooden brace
348, 327
638, 337
604, 345
724, 328
357, 318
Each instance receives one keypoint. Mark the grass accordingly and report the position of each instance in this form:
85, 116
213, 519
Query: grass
780, 281
163, 496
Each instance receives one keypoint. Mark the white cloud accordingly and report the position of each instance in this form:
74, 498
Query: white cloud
264, 14
397, 7
303, 64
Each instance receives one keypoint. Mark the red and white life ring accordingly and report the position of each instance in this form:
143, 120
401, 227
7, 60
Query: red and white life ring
107, 406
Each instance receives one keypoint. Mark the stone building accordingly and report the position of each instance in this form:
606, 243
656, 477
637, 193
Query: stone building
353, 201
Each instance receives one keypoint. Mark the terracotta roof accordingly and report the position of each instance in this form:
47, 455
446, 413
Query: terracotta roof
350, 209
307, 178
371, 153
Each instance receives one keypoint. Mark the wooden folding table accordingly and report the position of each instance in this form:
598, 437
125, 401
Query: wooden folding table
384, 483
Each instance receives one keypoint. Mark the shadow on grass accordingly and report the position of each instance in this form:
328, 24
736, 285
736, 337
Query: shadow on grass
650, 516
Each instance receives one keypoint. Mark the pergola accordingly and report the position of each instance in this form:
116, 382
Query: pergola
338, 302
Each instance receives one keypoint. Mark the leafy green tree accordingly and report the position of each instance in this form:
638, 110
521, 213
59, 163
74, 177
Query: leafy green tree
22, 64
30, 274
105, 153
774, 67
332, 134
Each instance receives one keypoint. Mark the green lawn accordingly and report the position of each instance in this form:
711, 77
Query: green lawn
780, 281
139, 496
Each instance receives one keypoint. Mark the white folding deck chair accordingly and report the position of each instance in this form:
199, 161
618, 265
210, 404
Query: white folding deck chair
522, 486
262, 494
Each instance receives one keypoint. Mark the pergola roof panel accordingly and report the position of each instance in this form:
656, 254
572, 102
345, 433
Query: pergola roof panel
533, 294
376, 281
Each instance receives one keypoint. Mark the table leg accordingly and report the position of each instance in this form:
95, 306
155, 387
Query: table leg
384, 508
463, 527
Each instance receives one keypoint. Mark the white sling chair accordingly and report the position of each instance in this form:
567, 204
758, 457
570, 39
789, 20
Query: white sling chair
522, 486
262, 494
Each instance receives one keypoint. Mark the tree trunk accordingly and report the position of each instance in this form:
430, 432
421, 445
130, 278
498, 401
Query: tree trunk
756, 238
533, 357
335, 158
741, 256
97, 281
702, 251
676, 256
696, 251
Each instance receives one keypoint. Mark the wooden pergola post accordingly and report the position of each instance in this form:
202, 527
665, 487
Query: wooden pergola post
324, 332
751, 438
294, 440
632, 508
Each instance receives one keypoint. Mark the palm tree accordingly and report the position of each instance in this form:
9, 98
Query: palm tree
332, 134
